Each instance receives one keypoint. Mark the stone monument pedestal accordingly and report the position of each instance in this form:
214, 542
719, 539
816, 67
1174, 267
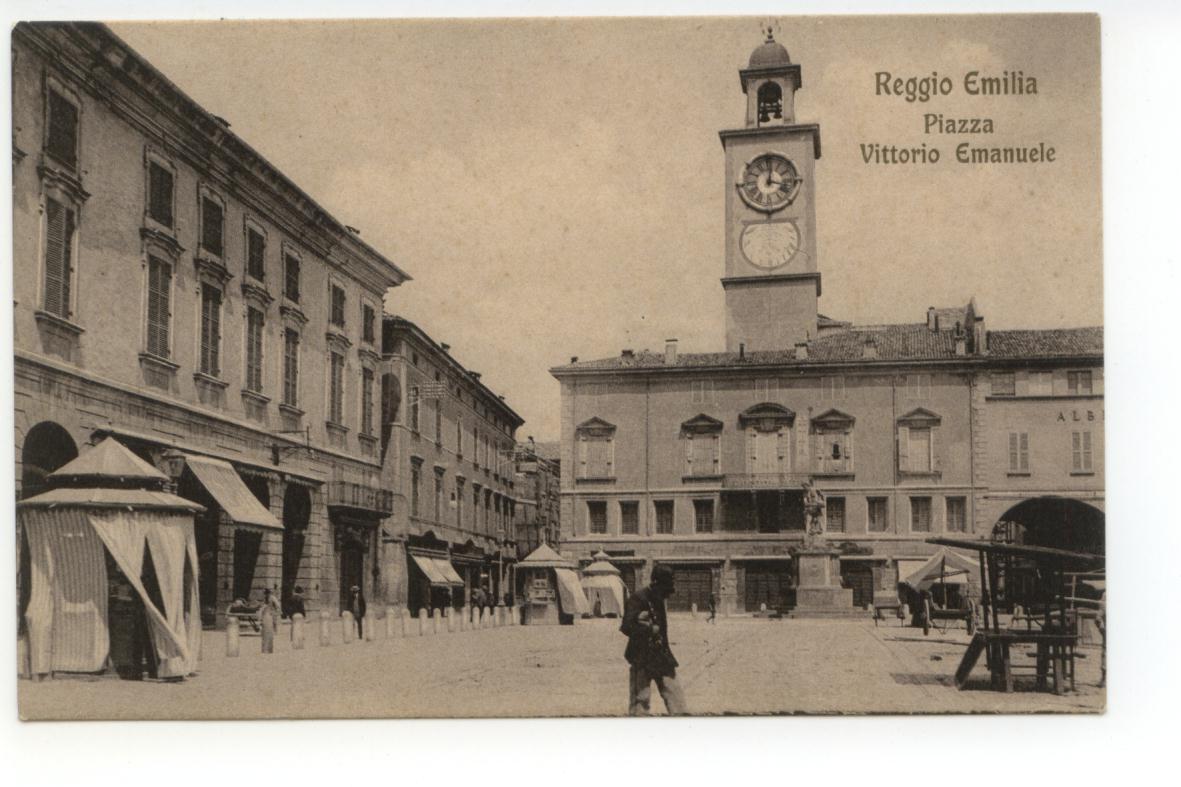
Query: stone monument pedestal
819, 593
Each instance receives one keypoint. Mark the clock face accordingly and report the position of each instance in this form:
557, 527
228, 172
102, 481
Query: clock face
769, 245
769, 182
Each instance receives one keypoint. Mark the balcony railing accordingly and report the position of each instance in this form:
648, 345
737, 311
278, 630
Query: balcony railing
346, 494
764, 480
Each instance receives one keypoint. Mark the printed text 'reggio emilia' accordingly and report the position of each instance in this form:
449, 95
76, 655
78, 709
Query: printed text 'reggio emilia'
914, 89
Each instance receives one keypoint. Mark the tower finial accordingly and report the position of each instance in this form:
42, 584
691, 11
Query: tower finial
768, 28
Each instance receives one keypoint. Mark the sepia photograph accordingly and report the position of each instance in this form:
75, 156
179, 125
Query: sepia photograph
559, 367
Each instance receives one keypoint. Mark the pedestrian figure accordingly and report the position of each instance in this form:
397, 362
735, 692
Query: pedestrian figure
296, 606
357, 607
713, 609
268, 617
645, 623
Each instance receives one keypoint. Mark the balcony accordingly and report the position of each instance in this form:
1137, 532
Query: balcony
764, 480
360, 498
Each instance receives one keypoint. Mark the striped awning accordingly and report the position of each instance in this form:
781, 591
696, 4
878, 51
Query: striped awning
225, 485
437, 571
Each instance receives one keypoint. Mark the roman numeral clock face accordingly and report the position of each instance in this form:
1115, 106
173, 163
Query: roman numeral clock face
769, 182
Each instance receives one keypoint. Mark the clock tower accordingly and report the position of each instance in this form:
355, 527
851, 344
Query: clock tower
772, 282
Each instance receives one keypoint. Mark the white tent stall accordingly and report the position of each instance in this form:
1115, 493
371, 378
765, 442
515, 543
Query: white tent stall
603, 586
109, 502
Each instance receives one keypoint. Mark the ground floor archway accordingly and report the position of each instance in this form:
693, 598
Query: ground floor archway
1058, 522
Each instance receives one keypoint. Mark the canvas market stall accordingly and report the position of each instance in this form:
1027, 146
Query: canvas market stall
603, 587
112, 568
550, 588
944, 588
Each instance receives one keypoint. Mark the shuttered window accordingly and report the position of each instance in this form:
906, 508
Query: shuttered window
254, 326
159, 306
59, 241
291, 368
920, 515
210, 330
367, 401
160, 194
702, 454
336, 388
212, 226
596, 511
415, 488
957, 514
337, 303
415, 408
61, 139
664, 516
1004, 384
1018, 452
1078, 383
629, 518
256, 254
919, 449
835, 513
368, 319
703, 516
1081, 451
291, 278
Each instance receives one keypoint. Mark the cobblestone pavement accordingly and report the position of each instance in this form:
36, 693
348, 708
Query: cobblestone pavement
738, 666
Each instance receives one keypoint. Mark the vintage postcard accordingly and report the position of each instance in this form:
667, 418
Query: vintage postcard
559, 367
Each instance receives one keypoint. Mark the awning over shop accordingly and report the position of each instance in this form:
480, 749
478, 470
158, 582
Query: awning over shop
225, 485
946, 566
437, 571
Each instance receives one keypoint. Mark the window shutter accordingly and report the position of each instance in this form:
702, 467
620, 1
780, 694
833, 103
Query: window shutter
818, 441
56, 262
689, 454
782, 445
903, 448
1024, 440
1086, 450
717, 453
611, 457
849, 451
582, 452
936, 458
753, 449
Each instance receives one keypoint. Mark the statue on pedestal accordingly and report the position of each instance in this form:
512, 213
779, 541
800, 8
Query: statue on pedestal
813, 514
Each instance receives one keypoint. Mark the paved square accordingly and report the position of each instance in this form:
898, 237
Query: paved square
738, 666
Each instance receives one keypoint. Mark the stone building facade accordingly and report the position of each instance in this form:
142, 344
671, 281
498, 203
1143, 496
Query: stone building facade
174, 290
448, 443
538, 478
937, 427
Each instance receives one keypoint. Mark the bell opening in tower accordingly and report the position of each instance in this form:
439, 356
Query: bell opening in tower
770, 102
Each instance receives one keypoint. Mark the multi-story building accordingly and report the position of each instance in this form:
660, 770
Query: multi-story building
449, 443
913, 430
175, 290
537, 486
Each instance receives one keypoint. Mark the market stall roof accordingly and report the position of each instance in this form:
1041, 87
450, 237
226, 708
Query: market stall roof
225, 485
107, 461
544, 557
110, 498
601, 565
946, 566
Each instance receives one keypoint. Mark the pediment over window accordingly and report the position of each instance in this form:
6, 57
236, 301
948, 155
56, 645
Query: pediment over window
766, 417
595, 427
919, 417
833, 420
701, 424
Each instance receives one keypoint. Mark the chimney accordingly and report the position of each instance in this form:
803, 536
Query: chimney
742, 351
932, 321
670, 352
573, 359
801, 351
475, 376
446, 347
870, 348
961, 340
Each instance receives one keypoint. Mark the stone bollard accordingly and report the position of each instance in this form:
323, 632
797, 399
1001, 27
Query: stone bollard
233, 643
513, 616
693, 610
500, 616
450, 620
403, 617
370, 629
346, 623
297, 633
763, 607
390, 622
422, 621
436, 614
325, 628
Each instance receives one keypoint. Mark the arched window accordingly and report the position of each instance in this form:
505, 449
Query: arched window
770, 102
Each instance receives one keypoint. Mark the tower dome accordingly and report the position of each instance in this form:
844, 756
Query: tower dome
769, 54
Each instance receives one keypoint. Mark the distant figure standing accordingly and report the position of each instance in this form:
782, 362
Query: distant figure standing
713, 609
357, 607
645, 622
268, 616
296, 606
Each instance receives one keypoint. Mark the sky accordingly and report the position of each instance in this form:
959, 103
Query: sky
555, 187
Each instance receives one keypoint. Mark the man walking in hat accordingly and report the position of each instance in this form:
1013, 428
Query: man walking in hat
645, 623
357, 607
